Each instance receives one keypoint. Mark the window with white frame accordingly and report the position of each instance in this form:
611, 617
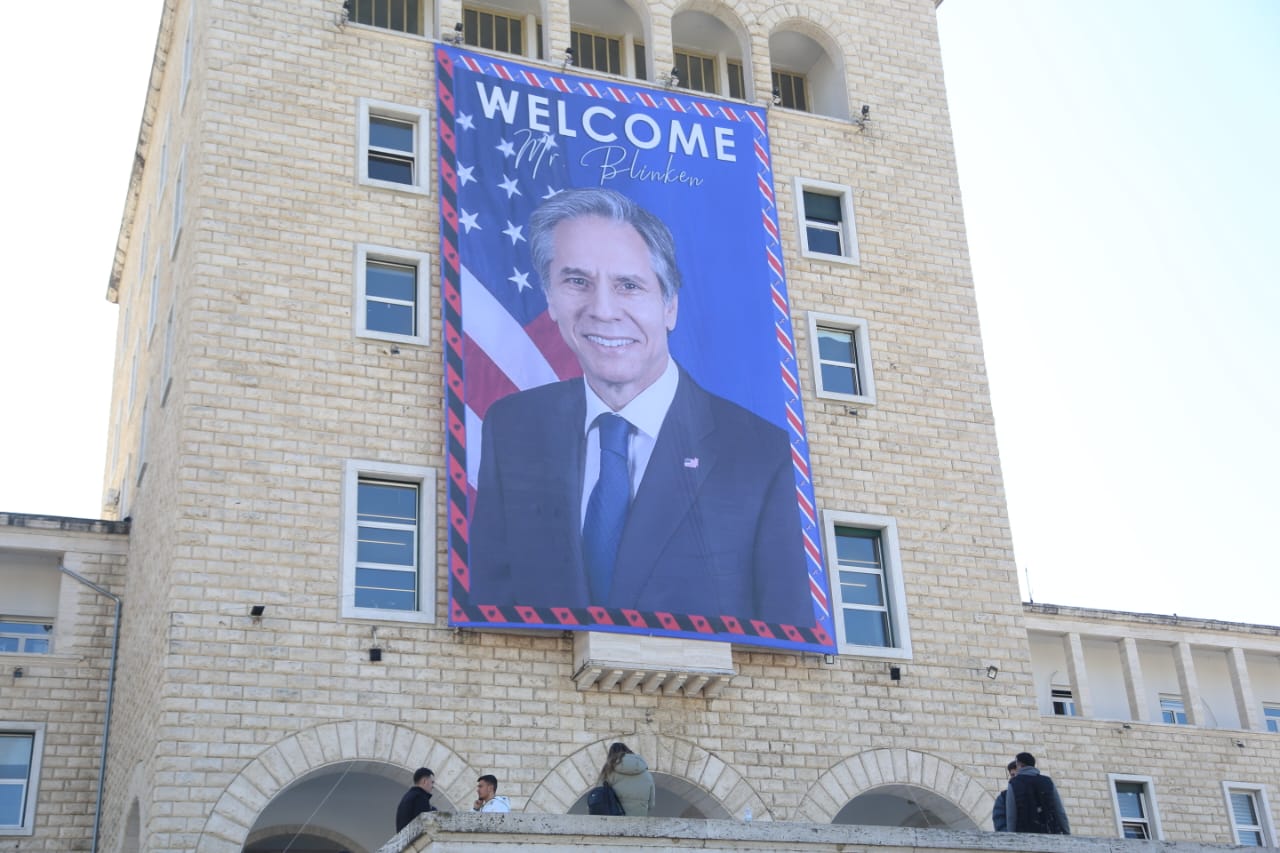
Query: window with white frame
868, 598
153, 302
393, 146
391, 294
187, 45
179, 199
1250, 814
1134, 800
21, 745
1271, 717
827, 229
388, 542
1172, 710
403, 16
25, 637
166, 364
1064, 702
841, 358
143, 435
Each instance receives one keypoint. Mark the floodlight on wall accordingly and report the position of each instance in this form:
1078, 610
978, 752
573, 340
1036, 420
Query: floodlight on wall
256, 612
777, 98
993, 671
671, 80
895, 673
17, 672
864, 117
340, 18
455, 38
375, 654
568, 57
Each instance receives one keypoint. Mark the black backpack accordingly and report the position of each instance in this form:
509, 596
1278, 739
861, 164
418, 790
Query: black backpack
603, 800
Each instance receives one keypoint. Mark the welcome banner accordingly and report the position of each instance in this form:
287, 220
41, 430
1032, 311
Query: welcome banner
611, 248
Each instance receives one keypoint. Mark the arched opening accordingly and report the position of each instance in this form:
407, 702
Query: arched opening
607, 36
676, 797
806, 76
709, 57
904, 805
347, 806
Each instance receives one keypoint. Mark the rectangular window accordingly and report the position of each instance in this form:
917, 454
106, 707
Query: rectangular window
179, 199
866, 584
19, 637
737, 81
1249, 813
1064, 703
827, 230
595, 52
696, 72
404, 16
393, 146
642, 69
789, 89
389, 542
1133, 807
153, 303
493, 31
391, 292
841, 358
188, 44
1271, 717
1172, 710
21, 745
166, 365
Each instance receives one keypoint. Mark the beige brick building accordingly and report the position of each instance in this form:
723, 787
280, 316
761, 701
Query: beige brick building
257, 705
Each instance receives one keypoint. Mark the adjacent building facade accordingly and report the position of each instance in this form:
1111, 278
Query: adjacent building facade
282, 380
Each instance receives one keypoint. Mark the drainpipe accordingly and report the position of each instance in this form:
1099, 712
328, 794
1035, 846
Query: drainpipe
111, 688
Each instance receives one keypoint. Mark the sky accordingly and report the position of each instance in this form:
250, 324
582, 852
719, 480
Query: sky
1120, 180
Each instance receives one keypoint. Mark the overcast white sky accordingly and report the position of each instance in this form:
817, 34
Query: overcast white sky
1120, 178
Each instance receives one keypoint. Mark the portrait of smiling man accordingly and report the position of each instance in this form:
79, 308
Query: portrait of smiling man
632, 486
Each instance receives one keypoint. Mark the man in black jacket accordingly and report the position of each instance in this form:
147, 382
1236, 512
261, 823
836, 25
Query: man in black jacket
417, 799
1032, 803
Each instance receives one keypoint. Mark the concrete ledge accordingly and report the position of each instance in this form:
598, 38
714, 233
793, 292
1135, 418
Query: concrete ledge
444, 831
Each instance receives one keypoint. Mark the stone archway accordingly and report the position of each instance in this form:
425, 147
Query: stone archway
311, 751
702, 781
940, 787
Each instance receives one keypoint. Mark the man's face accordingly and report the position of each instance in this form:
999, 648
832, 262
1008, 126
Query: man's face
604, 295
427, 783
484, 790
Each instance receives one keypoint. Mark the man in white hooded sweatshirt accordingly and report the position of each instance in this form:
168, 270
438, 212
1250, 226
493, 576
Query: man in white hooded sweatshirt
487, 799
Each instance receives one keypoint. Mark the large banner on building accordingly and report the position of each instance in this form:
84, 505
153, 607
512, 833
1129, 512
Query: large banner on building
626, 442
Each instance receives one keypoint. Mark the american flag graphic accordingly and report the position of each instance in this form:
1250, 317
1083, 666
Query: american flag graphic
494, 171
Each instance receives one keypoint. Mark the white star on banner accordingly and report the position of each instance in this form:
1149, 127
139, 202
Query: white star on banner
509, 184
513, 231
464, 175
468, 221
520, 279
464, 120
548, 141
507, 149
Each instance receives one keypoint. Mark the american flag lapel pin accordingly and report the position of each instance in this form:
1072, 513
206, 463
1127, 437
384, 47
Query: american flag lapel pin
691, 462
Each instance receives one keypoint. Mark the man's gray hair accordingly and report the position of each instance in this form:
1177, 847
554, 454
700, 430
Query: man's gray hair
615, 207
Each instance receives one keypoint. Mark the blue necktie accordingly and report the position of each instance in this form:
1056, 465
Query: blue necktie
607, 507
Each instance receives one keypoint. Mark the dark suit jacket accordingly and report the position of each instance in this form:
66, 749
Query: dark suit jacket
714, 528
